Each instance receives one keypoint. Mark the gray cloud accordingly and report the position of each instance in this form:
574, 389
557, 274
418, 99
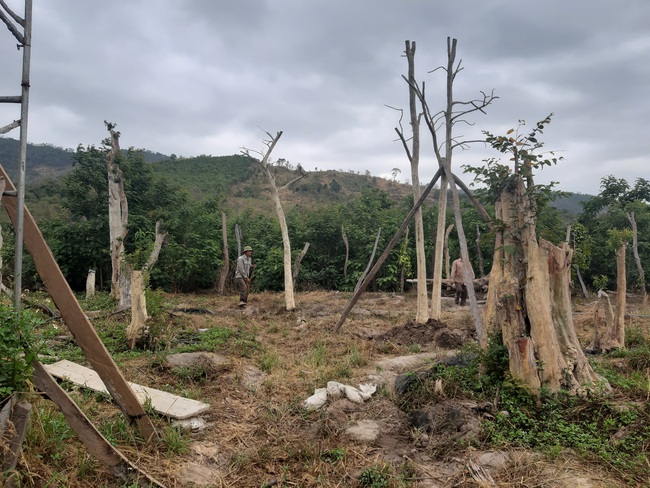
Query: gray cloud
202, 77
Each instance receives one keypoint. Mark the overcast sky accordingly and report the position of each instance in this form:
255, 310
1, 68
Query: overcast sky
205, 77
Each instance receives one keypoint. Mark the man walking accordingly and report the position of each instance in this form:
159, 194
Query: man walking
458, 278
243, 273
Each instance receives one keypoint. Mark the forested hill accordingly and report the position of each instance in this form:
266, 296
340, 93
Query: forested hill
46, 160
236, 178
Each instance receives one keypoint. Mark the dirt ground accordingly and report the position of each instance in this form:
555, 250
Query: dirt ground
258, 434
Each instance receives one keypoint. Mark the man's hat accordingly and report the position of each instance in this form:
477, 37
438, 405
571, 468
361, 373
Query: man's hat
248, 248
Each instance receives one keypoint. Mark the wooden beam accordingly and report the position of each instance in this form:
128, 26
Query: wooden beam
19, 418
74, 317
94, 441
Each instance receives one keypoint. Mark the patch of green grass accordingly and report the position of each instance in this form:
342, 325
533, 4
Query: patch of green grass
376, 476
219, 339
333, 455
269, 361
175, 441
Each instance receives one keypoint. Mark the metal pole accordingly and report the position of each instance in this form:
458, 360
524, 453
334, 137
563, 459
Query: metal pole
24, 108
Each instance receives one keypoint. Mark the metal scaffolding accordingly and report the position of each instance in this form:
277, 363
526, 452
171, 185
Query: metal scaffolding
16, 24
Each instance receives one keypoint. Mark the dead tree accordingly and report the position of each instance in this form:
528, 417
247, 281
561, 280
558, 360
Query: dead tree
289, 299
118, 220
454, 112
225, 269
372, 257
347, 251
139, 279
413, 155
296, 263
637, 259
615, 328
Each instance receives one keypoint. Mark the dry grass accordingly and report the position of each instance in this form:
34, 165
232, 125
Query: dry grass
258, 433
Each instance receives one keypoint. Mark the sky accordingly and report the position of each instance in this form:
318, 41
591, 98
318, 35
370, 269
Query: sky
212, 77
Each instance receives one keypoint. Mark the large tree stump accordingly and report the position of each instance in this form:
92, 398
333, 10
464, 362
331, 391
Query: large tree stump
529, 300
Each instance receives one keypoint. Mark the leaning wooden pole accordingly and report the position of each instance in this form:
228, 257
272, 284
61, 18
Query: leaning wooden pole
389, 248
74, 317
94, 441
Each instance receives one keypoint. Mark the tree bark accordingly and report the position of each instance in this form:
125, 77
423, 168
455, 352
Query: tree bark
637, 258
296, 263
347, 252
372, 257
615, 332
436, 298
422, 312
139, 278
90, 283
446, 251
225, 269
529, 300
139, 314
118, 218
479, 254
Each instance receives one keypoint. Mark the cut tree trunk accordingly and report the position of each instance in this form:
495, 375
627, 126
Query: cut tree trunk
90, 283
615, 331
118, 219
225, 269
529, 301
139, 278
139, 314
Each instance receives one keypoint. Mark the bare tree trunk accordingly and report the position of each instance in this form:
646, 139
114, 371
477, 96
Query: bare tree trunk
479, 254
585, 292
402, 275
422, 312
90, 283
238, 236
529, 300
296, 263
118, 219
446, 251
637, 259
139, 314
372, 257
347, 252
289, 299
225, 269
436, 299
615, 335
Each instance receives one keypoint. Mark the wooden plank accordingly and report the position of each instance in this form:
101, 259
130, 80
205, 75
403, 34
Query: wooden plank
94, 441
162, 402
19, 418
74, 317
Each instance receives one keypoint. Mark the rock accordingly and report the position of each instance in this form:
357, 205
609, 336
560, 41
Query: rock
253, 377
193, 424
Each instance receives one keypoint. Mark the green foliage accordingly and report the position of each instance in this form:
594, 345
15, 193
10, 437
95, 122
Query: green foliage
19, 346
587, 425
375, 476
175, 441
600, 282
521, 148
